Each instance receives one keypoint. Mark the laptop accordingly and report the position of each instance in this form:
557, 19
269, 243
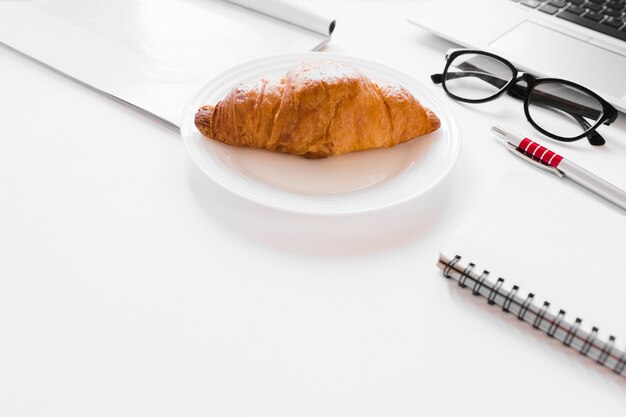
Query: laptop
580, 40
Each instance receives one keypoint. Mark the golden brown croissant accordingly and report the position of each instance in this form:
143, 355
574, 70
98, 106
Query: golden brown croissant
319, 109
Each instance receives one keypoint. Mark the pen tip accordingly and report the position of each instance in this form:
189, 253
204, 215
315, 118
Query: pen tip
499, 131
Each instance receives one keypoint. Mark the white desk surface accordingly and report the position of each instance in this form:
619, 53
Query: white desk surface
132, 285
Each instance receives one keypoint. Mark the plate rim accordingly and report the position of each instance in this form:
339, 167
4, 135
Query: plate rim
452, 125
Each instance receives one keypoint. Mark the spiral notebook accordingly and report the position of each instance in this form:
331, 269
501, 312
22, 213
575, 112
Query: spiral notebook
550, 254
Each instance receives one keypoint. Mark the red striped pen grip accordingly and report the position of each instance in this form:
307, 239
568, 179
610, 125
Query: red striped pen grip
539, 153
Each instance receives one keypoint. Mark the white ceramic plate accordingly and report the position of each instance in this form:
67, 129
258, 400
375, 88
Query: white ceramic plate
351, 183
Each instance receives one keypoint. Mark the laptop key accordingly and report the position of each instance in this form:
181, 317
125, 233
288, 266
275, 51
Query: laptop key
617, 5
614, 23
576, 2
588, 23
594, 7
558, 3
596, 17
531, 3
546, 8
611, 12
576, 9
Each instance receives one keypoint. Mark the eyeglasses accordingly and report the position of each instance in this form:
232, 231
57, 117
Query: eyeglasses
558, 108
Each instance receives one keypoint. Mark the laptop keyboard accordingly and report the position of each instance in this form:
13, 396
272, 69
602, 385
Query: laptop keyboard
604, 16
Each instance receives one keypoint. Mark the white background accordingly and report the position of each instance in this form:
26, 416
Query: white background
132, 285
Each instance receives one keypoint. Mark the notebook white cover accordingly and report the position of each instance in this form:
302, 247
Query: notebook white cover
556, 240
155, 54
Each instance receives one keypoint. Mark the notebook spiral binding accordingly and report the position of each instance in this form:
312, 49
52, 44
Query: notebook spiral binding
539, 316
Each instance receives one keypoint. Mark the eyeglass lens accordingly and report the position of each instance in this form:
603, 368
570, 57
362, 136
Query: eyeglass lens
476, 76
563, 110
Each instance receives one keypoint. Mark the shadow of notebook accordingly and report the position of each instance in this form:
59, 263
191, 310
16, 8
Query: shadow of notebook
555, 241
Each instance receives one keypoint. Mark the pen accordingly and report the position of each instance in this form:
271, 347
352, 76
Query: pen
550, 161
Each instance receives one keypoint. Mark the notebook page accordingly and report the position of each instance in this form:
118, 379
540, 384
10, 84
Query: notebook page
151, 54
555, 240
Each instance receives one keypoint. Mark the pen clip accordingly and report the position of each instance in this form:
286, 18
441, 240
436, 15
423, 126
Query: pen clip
528, 159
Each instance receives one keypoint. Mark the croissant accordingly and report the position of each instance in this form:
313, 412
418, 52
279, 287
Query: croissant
318, 109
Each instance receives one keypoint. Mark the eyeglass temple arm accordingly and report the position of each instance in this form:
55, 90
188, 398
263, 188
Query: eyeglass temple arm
436, 78
594, 137
470, 70
491, 79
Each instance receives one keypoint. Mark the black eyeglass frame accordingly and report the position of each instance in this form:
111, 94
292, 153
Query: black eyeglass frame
512, 87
